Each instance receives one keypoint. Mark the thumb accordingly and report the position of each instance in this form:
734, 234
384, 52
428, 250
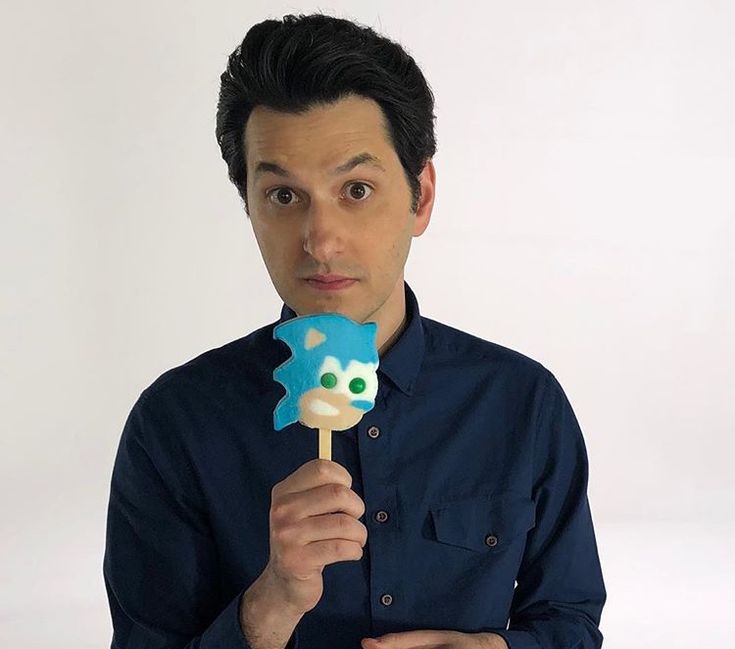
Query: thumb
372, 643
406, 640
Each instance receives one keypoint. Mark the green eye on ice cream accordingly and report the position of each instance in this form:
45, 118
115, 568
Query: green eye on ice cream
357, 385
328, 380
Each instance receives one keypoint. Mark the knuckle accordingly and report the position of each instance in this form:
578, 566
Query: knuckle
337, 491
281, 535
330, 549
363, 534
360, 506
275, 490
323, 468
279, 512
341, 547
344, 521
356, 551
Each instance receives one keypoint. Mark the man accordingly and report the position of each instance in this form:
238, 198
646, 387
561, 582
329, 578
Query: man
468, 476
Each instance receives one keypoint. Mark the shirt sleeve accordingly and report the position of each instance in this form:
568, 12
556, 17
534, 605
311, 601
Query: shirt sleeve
558, 600
160, 564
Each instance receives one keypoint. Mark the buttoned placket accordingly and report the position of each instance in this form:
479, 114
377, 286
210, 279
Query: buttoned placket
381, 515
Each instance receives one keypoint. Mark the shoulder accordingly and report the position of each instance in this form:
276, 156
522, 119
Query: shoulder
457, 356
215, 371
447, 344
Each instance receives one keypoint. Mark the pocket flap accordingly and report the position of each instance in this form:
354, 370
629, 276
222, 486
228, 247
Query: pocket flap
484, 523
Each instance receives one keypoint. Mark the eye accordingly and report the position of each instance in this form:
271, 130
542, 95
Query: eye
357, 385
281, 192
328, 380
362, 194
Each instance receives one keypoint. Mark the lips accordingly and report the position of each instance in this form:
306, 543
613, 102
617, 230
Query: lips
328, 278
329, 282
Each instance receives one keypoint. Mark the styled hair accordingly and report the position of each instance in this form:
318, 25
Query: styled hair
311, 60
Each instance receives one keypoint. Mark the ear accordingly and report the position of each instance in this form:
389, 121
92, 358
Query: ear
427, 179
313, 338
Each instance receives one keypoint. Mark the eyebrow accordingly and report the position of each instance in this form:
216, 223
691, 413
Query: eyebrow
264, 166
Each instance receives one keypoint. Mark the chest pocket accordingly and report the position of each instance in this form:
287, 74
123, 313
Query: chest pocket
484, 523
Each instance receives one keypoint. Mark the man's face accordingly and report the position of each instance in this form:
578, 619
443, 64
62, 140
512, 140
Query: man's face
310, 219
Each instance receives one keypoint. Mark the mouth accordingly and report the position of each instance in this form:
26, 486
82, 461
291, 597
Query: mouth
329, 282
320, 407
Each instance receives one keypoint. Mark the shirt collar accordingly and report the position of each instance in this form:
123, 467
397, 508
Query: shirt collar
401, 363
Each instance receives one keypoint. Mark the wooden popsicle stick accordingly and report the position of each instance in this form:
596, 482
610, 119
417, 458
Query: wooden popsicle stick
325, 444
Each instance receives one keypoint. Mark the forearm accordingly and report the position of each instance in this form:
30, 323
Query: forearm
266, 621
492, 641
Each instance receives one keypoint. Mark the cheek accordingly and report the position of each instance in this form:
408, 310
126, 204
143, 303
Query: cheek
277, 245
389, 226
400, 243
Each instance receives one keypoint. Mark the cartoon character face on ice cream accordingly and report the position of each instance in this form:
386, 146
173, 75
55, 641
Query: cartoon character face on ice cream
331, 378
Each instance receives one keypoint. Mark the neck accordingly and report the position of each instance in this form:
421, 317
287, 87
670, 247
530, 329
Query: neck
393, 316
394, 336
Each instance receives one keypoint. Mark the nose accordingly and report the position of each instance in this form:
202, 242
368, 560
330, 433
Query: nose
323, 232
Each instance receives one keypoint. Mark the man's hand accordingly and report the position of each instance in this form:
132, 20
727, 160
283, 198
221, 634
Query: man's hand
313, 523
435, 640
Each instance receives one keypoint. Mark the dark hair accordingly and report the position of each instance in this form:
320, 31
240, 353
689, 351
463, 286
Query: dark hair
309, 60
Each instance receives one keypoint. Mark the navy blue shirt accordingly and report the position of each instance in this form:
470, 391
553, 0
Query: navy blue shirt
472, 467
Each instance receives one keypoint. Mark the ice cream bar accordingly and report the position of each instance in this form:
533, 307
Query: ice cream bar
330, 378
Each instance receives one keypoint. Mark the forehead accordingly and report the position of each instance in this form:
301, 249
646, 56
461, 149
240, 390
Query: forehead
333, 364
324, 136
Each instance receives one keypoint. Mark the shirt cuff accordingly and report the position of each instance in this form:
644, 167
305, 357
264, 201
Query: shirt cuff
226, 633
516, 639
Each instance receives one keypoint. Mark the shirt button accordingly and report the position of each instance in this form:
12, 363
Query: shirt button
386, 600
381, 516
373, 432
491, 540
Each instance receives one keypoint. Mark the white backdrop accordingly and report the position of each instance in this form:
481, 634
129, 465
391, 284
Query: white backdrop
585, 177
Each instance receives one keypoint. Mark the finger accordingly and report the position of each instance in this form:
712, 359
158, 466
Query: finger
413, 640
318, 554
328, 526
323, 499
312, 474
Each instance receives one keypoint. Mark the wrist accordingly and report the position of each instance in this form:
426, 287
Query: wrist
265, 595
266, 619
